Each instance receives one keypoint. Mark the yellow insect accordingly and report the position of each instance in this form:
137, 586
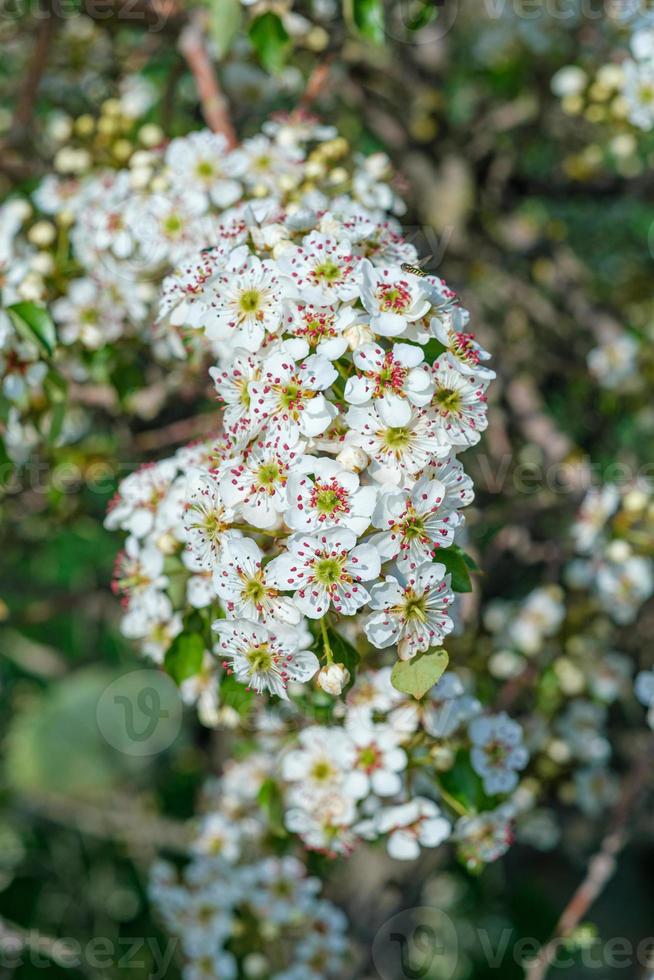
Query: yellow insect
413, 269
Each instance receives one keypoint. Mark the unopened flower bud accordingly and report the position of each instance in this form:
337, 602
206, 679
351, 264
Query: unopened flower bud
333, 678
256, 965
618, 551
122, 149
358, 334
43, 263
42, 234
151, 135
352, 458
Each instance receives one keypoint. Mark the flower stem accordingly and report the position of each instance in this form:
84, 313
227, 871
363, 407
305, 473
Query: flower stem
325, 641
453, 802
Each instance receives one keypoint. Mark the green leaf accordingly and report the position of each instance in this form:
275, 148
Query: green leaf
270, 41
455, 562
433, 350
184, 656
343, 652
463, 783
6, 464
57, 418
234, 694
368, 17
34, 323
56, 390
470, 562
417, 676
224, 21
425, 13
271, 802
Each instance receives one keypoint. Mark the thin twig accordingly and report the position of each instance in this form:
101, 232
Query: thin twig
177, 433
540, 428
316, 83
26, 100
212, 98
601, 866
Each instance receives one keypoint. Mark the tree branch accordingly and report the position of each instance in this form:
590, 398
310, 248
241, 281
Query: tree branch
212, 98
316, 83
185, 430
601, 866
30, 88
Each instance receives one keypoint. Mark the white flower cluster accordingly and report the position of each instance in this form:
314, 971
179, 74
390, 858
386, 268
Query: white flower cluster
614, 363
638, 89
613, 533
266, 917
95, 247
129, 227
351, 780
320, 525
623, 88
336, 484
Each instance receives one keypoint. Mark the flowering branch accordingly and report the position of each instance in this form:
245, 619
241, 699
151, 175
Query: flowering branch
214, 104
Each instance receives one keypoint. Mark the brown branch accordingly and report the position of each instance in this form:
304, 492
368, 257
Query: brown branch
601, 866
30, 88
212, 98
316, 83
178, 433
540, 428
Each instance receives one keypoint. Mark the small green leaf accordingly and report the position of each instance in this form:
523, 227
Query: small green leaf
6, 464
368, 17
224, 21
57, 418
463, 783
270, 800
470, 562
417, 676
425, 13
433, 350
184, 656
34, 323
343, 652
455, 562
270, 41
234, 694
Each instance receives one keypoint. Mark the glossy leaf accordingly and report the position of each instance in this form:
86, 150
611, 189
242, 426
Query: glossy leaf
270, 41
184, 656
224, 21
34, 323
455, 562
368, 16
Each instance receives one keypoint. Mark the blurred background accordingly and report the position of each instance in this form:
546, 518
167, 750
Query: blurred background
526, 161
